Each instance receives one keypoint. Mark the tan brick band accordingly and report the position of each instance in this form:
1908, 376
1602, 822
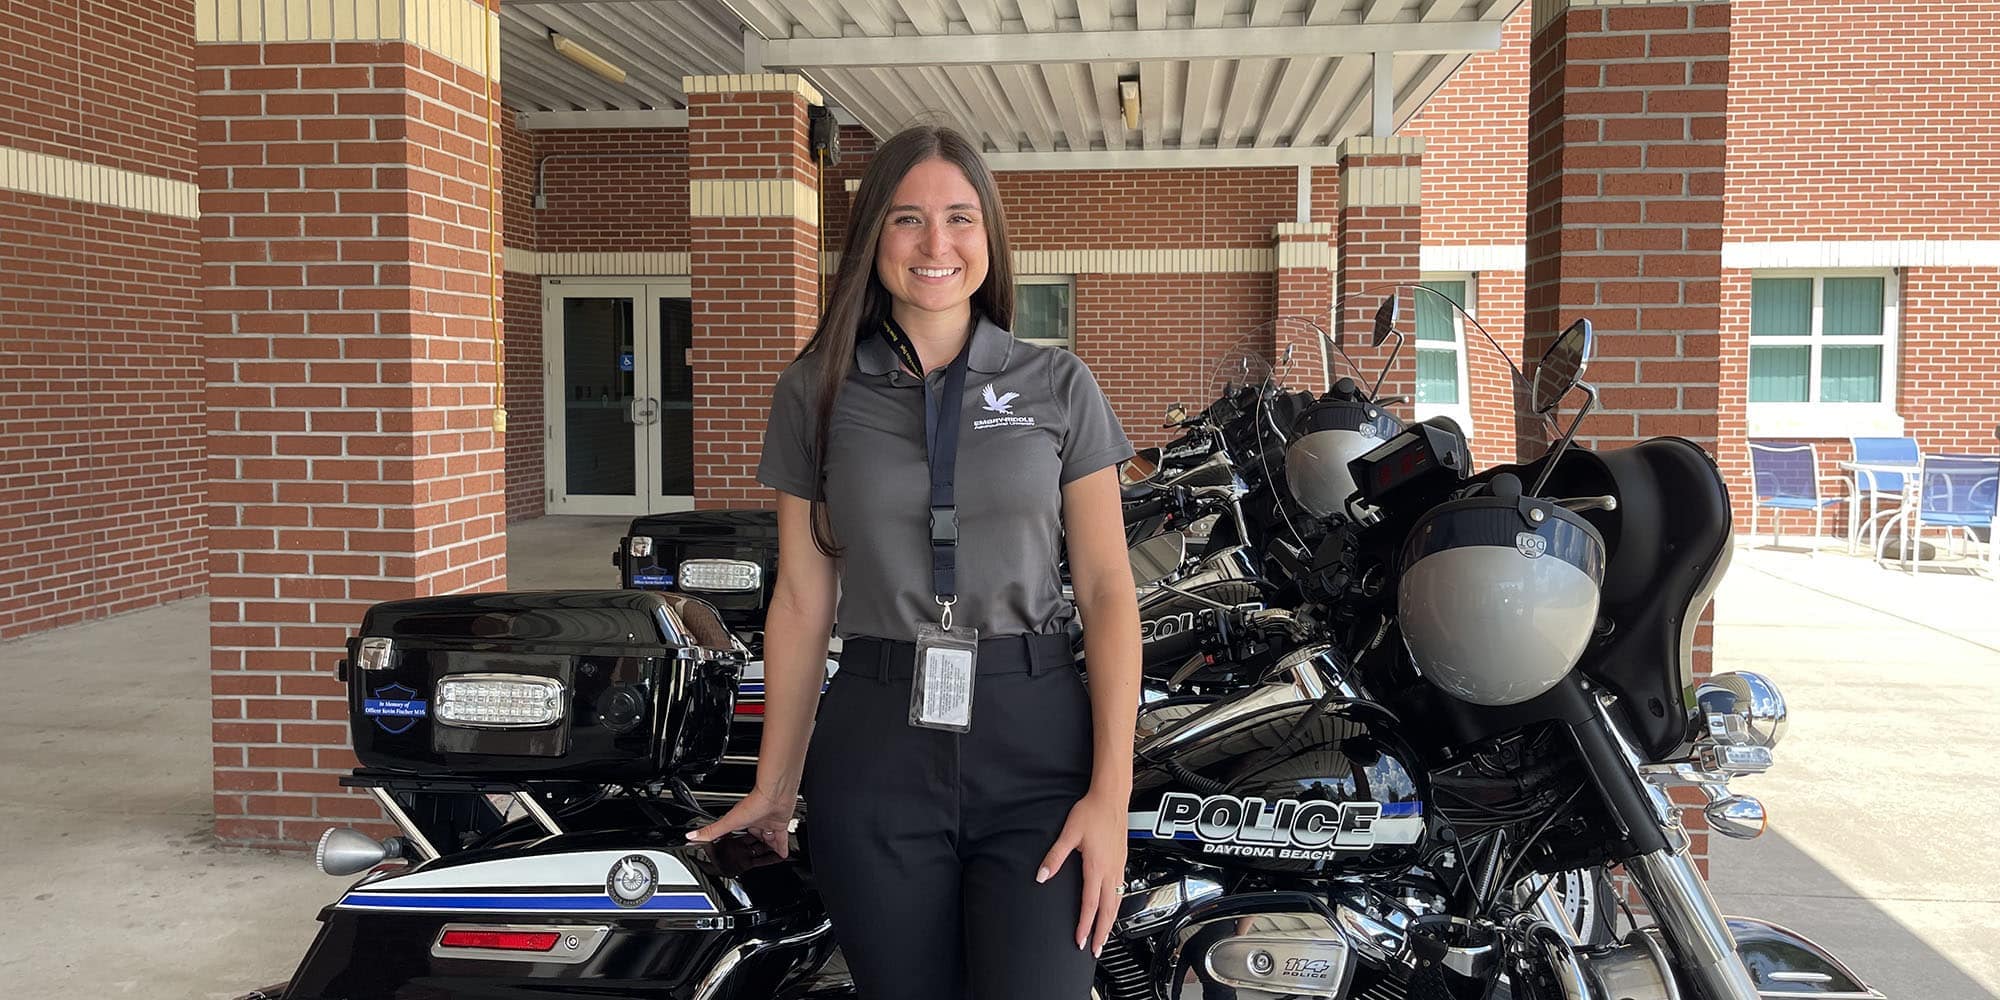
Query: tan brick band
1371, 187
1303, 229
753, 83
757, 199
595, 264
1302, 254
1382, 145
95, 184
1237, 260
463, 31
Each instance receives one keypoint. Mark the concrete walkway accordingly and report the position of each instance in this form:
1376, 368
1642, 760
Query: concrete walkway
1882, 800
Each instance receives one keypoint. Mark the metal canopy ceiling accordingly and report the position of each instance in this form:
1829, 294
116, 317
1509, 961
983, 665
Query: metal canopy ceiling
1037, 81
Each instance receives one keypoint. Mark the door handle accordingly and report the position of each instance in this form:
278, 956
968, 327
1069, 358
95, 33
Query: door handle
652, 410
633, 411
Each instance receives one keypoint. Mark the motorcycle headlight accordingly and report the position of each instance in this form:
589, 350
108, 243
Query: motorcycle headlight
721, 575
1742, 709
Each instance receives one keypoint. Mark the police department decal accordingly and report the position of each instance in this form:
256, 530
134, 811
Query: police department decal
632, 881
1286, 829
395, 708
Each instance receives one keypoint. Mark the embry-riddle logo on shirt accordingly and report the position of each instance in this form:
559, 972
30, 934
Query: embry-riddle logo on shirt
1001, 403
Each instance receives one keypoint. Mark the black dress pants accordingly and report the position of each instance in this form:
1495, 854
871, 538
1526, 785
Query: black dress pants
925, 842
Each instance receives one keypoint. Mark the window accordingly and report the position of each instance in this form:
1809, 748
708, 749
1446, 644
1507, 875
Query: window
1822, 353
1045, 310
1442, 385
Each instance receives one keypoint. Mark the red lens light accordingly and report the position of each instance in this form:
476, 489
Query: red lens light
750, 709
501, 940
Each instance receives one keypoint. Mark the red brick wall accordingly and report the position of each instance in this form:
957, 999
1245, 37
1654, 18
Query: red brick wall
1864, 120
755, 282
111, 83
526, 416
1098, 210
1153, 339
612, 189
100, 359
1475, 131
350, 391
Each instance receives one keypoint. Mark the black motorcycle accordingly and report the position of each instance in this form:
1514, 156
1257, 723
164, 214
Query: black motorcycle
1486, 684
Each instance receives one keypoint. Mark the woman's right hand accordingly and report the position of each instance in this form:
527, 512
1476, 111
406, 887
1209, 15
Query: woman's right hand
765, 815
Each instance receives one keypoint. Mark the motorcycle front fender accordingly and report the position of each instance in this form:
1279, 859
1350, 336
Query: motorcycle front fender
1786, 964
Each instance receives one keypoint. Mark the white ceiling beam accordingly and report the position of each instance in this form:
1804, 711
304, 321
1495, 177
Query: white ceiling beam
1110, 115
1023, 98
541, 121
531, 45
865, 106
1073, 111
708, 27
863, 13
1439, 10
760, 16
1148, 159
936, 82
981, 16
1320, 122
1194, 109
1244, 87
987, 117
924, 15
1280, 41
642, 75
1152, 14
673, 55
1040, 15
1152, 104
1381, 11
1282, 108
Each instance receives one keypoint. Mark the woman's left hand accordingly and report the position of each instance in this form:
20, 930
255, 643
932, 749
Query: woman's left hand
1096, 830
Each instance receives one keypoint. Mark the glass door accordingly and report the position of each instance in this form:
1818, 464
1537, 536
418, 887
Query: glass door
619, 396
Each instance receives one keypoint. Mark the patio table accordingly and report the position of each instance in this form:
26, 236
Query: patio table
1856, 471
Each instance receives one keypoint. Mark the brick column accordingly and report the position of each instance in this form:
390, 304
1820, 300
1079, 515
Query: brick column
1625, 162
1304, 292
1377, 241
348, 302
1626, 119
753, 242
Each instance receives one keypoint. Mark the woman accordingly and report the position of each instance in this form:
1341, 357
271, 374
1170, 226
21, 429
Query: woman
977, 839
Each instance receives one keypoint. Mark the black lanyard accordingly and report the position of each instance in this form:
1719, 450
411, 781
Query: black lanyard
942, 409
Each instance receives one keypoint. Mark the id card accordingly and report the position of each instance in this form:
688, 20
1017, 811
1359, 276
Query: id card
941, 687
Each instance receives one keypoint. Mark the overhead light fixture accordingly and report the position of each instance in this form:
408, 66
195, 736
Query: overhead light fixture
1128, 95
587, 59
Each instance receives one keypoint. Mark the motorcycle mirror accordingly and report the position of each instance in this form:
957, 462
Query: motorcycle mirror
1157, 558
1140, 468
1385, 319
1561, 366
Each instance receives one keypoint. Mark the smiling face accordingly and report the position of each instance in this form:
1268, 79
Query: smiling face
932, 254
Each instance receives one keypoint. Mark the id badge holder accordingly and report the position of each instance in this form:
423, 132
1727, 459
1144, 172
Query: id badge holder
941, 686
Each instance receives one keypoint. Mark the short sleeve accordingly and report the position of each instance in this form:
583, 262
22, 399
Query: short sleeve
1093, 437
788, 462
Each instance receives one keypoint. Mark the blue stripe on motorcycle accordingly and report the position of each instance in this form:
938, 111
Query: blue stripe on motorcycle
1402, 809
678, 902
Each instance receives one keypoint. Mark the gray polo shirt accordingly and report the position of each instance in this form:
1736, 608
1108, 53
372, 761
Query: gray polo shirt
1033, 419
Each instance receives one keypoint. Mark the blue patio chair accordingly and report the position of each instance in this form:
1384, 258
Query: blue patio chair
1787, 477
1960, 494
1878, 488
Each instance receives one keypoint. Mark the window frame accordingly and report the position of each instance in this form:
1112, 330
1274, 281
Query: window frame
1816, 417
1460, 411
1069, 321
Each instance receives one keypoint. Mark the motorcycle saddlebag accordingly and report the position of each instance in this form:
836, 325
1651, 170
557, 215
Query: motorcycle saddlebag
635, 913
603, 686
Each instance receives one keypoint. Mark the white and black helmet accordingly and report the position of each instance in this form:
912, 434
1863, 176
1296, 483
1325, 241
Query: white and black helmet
1326, 436
1499, 595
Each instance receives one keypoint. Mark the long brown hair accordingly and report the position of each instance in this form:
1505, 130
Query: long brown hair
859, 302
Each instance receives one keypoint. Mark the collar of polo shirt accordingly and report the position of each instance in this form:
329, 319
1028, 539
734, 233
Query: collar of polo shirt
991, 346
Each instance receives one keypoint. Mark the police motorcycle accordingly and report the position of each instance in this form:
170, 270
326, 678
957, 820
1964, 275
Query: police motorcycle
1505, 694
1379, 815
